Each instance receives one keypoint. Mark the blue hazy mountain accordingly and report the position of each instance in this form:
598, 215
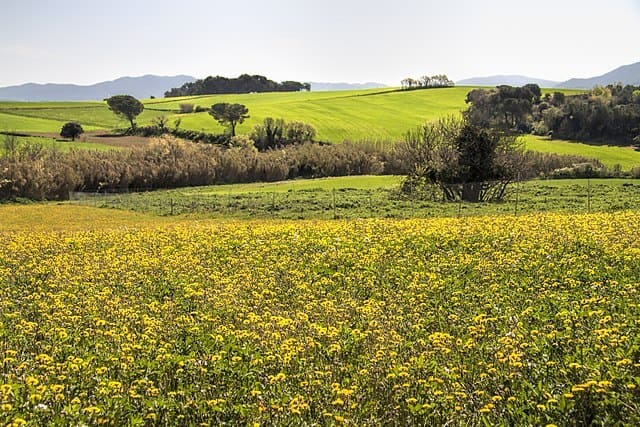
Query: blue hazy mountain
511, 80
627, 75
139, 87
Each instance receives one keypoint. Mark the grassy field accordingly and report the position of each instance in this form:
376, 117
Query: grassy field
490, 320
374, 114
610, 156
366, 197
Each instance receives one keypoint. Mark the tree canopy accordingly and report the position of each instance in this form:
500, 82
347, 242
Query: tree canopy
504, 107
465, 161
126, 106
610, 113
242, 84
229, 115
71, 130
424, 82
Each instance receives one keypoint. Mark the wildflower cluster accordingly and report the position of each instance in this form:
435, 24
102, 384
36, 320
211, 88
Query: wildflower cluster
521, 321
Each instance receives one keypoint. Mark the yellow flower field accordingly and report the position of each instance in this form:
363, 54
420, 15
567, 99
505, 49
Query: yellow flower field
532, 320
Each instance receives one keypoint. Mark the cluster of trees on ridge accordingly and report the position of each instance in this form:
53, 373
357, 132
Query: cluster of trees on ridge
245, 83
424, 82
610, 113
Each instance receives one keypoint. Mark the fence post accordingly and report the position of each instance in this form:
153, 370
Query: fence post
588, 193
517, 194
333, 195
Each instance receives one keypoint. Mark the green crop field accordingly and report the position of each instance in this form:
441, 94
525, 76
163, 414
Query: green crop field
374, 114
610, 156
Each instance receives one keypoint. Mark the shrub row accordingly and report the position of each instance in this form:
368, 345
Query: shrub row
30, 171
42, 174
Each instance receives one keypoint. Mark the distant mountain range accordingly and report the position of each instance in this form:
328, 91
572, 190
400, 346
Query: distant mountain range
511, 80
627, 75
150, 85
139, 87
318, 87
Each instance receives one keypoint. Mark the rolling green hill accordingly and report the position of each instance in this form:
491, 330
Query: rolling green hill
609, 155
373, 114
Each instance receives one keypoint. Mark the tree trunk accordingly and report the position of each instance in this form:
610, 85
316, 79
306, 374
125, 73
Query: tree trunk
471, 191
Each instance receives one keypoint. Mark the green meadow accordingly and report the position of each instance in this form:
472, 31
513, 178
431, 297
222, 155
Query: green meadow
609, 155
365, 197
373, 114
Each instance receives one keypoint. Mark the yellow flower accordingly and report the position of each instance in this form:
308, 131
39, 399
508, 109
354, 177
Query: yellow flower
92, 410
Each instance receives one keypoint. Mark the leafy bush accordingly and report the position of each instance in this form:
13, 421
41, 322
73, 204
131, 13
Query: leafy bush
274, 133
186, 108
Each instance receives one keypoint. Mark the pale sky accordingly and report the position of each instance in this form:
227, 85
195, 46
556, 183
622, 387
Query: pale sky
87, 41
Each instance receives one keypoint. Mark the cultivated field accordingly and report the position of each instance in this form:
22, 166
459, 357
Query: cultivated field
626, 157
374, 114
474, 321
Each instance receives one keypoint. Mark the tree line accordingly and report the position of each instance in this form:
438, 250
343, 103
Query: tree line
424, 82
245, 83
610, 113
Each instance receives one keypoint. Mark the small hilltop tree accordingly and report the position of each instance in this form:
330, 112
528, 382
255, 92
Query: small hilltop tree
71, 130
229, 115
126, 106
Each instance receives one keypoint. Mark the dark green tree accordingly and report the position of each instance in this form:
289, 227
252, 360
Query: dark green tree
126, 106
465, 161
71, 130
229, 115
268, 134
504, 107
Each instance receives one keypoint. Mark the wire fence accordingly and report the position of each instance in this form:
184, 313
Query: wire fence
578, 196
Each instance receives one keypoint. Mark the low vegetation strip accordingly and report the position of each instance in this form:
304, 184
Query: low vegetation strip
366, 197
497, 320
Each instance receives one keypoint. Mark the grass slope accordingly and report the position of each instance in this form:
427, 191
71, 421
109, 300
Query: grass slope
373, 114
610, 156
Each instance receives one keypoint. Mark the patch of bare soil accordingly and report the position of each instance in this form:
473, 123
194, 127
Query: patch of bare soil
101, 137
